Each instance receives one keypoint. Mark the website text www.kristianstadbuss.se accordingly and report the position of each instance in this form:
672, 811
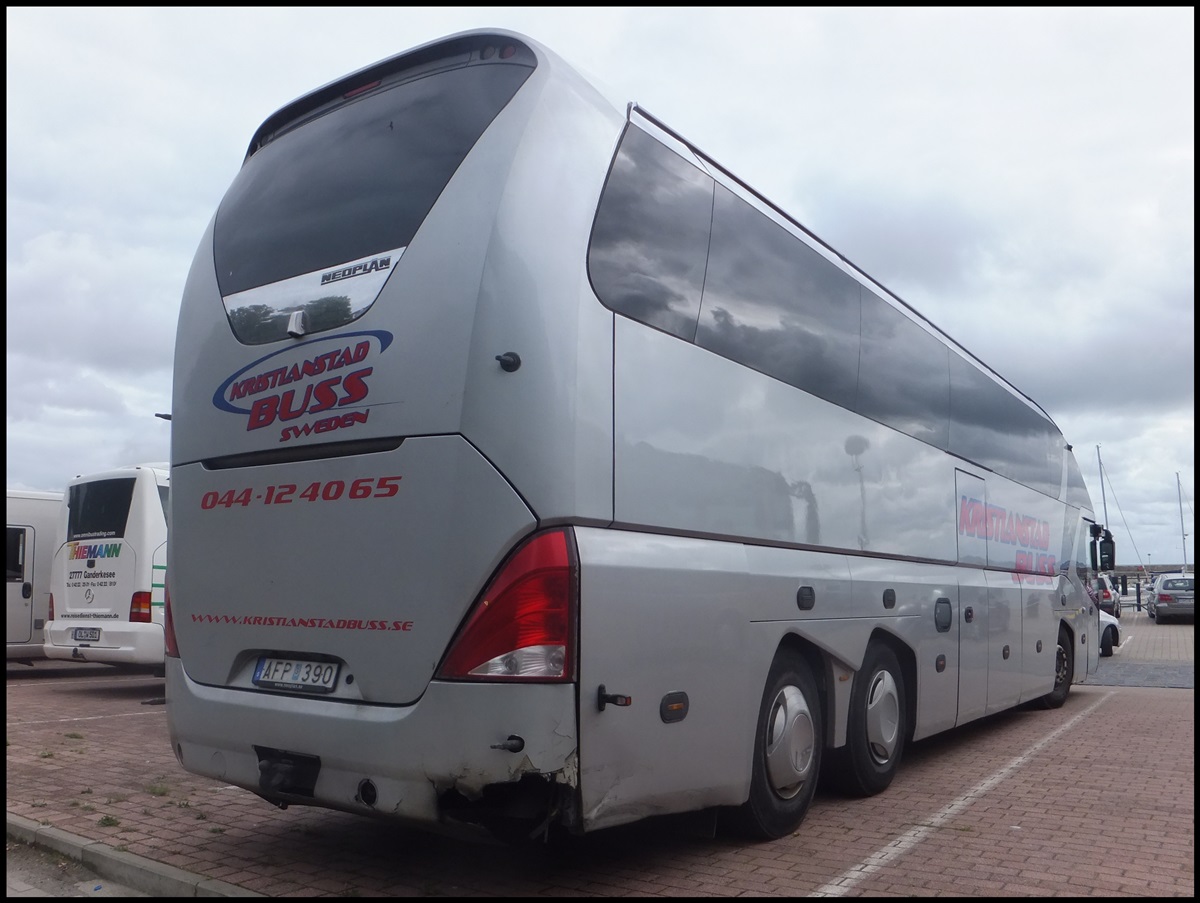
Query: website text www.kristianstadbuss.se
318, 623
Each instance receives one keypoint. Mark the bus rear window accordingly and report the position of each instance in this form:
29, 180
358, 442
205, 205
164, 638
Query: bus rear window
99, 509
354, 181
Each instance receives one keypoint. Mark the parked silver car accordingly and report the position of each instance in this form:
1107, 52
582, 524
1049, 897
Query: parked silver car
1109, 595
1172, 596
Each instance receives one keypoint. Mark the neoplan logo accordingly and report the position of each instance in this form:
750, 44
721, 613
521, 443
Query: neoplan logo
359, 269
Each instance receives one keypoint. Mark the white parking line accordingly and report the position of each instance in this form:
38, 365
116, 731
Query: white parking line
86, 718
847, 880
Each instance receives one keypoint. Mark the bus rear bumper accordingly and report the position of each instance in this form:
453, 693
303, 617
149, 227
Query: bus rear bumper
121, 643
448, 758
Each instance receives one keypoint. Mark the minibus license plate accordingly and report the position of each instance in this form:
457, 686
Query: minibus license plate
296, 674
86, 634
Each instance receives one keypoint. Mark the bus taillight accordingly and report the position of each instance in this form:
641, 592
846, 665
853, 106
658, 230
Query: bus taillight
139, 608
523, 627
50, 609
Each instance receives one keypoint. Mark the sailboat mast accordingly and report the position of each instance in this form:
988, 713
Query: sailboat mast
1182, 531
1103, 500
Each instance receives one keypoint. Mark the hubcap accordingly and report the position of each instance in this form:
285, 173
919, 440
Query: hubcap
1060, 673
883, 717
790, 742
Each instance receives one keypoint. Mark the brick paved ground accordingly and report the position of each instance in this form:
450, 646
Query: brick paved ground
1096, 798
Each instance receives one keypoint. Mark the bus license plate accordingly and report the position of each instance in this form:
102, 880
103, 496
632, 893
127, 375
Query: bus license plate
296, 674
86, 634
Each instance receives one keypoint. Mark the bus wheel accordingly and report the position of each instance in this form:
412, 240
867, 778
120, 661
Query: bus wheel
1064, 672
876, 729
787, 753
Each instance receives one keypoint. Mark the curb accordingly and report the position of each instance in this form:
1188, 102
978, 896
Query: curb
112, 864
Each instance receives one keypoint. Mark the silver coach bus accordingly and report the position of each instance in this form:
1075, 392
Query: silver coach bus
532, 473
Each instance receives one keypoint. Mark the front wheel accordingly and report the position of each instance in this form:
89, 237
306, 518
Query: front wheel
787, 753
1064, 672
877, 727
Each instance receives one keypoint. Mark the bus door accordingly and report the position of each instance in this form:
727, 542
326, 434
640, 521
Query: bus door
974, 608
1040, 596
1087, 619
19, 550
1004, 641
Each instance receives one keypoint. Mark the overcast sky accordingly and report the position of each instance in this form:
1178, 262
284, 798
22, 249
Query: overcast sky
1023, 177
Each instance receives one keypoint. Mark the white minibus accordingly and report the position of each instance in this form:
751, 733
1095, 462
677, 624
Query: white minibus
109, 574
29, 548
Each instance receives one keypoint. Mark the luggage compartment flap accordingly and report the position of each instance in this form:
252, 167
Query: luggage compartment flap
368, 563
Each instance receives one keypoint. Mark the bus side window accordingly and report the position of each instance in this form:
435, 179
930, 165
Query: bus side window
650, 238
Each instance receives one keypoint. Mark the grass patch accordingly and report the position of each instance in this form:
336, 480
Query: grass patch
108, 821
73, 735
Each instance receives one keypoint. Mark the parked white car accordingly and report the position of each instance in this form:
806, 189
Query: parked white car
1110, 633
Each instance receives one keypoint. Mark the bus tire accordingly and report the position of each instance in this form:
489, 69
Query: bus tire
877, 727
788, 740
1064, 672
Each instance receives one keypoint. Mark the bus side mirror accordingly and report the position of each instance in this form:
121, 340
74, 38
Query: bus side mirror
1108, 554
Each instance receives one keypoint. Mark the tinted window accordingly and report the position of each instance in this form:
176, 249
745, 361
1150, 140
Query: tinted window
774, 304
664, 237
650, 237
99, 509
353, 182
903, 374
993, 427
14, 554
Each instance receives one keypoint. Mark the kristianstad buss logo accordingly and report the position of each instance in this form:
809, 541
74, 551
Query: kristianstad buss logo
1030, 535
306, 389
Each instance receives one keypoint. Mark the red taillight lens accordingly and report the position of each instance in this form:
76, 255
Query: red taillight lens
172, 647
1165, 597
139, 609
523, 627
1106, 595
50, 612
